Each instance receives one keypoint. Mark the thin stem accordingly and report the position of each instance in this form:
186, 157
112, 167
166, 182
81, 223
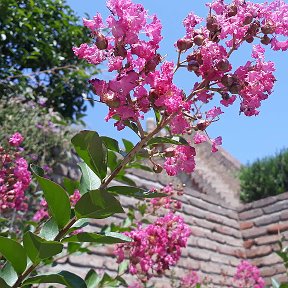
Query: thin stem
64, 231
135, 150
178, 62
53, 70
140, 128
24, 275
31, 268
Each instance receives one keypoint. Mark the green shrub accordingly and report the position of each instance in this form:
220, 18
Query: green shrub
43, 129
265, 177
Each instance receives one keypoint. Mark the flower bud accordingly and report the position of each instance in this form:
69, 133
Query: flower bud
235, 88
268, 28
202, 125
227, 80
232, 11
265, 40
214, 36
210, 23
184, 44
253, 28
223, 65
152, 63
101, 42
250, 39
169, 152
193, 66
198, 39
248, 19
120, 50
157, 168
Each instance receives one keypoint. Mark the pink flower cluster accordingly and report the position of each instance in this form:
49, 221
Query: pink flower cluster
16, 139
236, 23
155, 247
181, 160
190, 280
166, 202
248, 276
130, 48
128, 42
15, 177
42, 213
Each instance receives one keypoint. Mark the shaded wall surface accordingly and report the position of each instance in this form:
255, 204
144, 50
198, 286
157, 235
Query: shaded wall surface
223, 231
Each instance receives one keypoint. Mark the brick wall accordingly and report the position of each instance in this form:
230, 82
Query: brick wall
222, 234
262, 225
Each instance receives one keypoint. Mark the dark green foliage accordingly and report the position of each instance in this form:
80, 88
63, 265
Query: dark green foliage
38, 36
265, 177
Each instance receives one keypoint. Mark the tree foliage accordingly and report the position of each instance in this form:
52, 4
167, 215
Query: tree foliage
265, 177
36, 40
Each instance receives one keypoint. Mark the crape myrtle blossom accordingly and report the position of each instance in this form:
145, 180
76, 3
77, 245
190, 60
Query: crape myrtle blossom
167, 202
155, 247
248, 276
190, 280
15, 177
16, 139
181, 161
128, 41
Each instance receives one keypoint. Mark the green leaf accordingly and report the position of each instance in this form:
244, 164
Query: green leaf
49, 230
8, 274
89, 146
106, 238
128, 145
66, 278
97, 204
284, 285
111, 143
135, 192
176, 140
73, 247
3, 220
38, 248
112, 160
70, 185
14, 253
108, 281
3, 284
56, 197
92, 279
123, 267
157, 116
89, 180
81, 223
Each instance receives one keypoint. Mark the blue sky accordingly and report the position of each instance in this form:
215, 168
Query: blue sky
246, 138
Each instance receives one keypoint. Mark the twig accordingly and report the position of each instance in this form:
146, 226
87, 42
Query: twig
52, 70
